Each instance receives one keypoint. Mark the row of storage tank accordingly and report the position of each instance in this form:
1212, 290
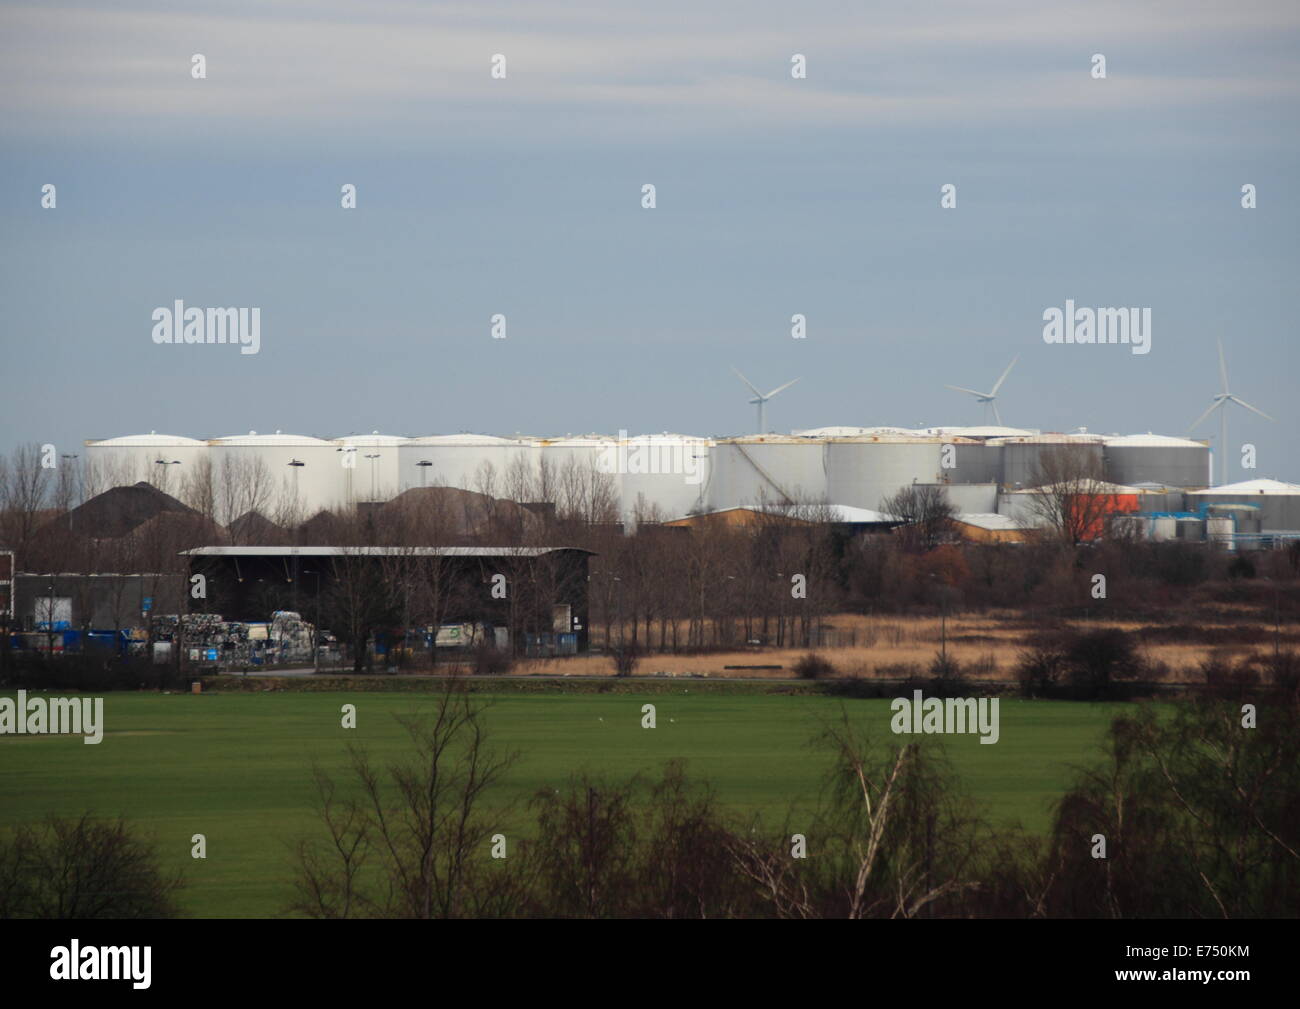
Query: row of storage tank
675, 474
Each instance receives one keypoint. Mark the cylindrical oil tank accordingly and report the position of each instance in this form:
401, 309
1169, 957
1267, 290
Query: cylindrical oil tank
1023, 458
1219, 529
1164, 528
973, 461
1276, 505
375, 474
580, 475
862, 472
978, 498
122, 462
476, 462
772, 469
1152, 458
663, 473
582, 453
258, 472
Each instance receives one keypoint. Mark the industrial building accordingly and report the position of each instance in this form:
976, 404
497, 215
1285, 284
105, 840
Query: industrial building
534, 598
670, 476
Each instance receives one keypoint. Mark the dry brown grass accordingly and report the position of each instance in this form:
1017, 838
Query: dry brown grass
892, 641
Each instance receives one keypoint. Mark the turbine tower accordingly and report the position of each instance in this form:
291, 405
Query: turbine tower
762, 398
991, 396
1220, 403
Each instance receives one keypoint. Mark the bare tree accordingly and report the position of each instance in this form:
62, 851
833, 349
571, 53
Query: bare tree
1069, 495
926, 515
25, 489
245, 485
895, 838
198, 488
413, 840
83, 868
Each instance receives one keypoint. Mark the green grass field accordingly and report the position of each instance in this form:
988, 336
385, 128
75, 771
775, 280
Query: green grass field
236, 767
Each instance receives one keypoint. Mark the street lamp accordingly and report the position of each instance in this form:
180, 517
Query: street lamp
424, 465
943, 620
372, 457
622, 634
74, 458
315, 630
295, 465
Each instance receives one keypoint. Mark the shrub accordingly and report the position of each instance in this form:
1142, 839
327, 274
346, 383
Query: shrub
858, 688
1225, 680
1241, 567
1098, 659
625, 657
1041, 666
812, 666
946, 678
84, 868
491, 661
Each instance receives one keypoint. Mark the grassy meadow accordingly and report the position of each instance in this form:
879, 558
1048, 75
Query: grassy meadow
237, 767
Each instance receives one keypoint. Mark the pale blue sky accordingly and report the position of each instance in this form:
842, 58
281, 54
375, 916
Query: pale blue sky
776, 196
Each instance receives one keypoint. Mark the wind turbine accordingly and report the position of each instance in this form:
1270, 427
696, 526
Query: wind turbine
991, 396
762, 398
1220, 403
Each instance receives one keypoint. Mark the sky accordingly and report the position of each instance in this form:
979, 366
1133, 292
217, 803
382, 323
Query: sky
522, 196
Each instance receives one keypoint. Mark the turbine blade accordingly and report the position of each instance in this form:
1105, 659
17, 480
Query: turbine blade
960, 388
997, 416
1223, 367
1242, 402
1004, 375
781, 388
1213, 406
747, 382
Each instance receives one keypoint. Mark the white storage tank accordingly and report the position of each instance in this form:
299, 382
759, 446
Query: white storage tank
1219, 529
122, 462
862, 472
665, 472
1164, 528
260, 472
771, 468
375, 475
468, 462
